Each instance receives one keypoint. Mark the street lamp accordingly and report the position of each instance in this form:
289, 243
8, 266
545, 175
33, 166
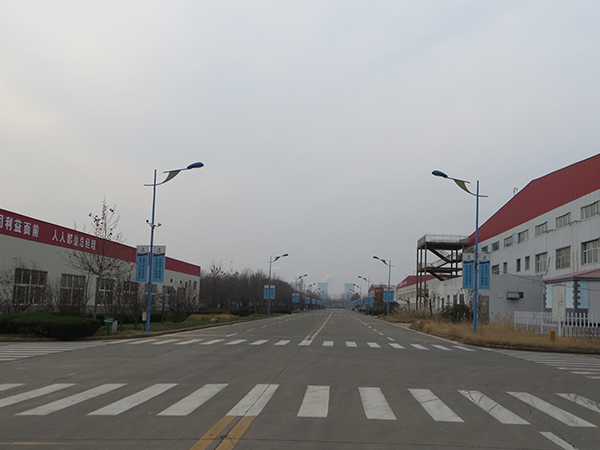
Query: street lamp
463, 185
271, 261
299, 280
171, 174
368, 288
388, 263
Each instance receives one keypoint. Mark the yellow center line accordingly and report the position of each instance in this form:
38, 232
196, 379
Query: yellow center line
213, 433
236, 433
314, 334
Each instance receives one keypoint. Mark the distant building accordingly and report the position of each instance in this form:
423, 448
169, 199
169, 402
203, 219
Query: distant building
324, 288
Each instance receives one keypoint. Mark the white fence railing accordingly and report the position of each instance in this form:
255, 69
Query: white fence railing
565, 325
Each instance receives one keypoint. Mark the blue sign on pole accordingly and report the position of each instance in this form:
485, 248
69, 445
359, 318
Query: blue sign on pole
369, 301
295, 298
468, 271
269, 293
158, 265
484, 272
388, 297
141, 264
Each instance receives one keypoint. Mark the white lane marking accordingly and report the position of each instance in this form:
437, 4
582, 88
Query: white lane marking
327, 343
351, 344
419, 347
305, 343
214, 341
236, 342
259, 342
315, 402
375, 405
559, 414
497, 411
72, 400
7, 386
460, 347
133, 400
251, 329
373, 345
232, 334
434, 406
193, 401
33, 394
143, 341
582, 401
282, 342
558, 441
441, 347
391, 339
264, 326
191, 341
254, 402
398, 346
381, 333
168, 341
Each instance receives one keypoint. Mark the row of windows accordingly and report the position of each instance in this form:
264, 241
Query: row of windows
541, 229
590, 253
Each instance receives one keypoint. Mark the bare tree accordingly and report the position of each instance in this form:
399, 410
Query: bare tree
105, 263
24, 287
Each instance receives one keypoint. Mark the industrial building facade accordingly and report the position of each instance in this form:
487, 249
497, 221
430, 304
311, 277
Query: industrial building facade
37, 271
543, 246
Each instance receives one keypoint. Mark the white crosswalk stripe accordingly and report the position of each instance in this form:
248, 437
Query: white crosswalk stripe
259, 342
351, 344
327, 343
582, 401
373, 345
72, 400
305, 343
255, 401
498, 412
375, 405
211, 342
193, 401
398, 346
166, 341
283, 342
419, 347
553, 411
191, 341
7, 386
33, 394
441, 347
116, 408
315, 402
434, 406
236, 342
14, 352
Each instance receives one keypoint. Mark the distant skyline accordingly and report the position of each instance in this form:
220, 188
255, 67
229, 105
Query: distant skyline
319, 123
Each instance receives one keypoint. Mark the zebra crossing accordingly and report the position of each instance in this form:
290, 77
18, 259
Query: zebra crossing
302, 343
312, 401
588, 366
15, 351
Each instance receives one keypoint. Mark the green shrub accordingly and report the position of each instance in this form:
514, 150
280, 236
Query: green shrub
241, 312
49, 325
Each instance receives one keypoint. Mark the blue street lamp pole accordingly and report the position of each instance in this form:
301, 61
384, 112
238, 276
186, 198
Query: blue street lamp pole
271, 261
463, 185
389, 279
171, 174
368, 288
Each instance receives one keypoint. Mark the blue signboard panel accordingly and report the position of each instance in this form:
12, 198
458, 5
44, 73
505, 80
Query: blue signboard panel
388, 297
295, 298
141, 268
484, 275
368, 301
468, 274
158, 268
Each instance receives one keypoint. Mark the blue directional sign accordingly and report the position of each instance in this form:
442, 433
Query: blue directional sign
295, 298
484, 272
369, 301
388, 296
269, 292
142, 263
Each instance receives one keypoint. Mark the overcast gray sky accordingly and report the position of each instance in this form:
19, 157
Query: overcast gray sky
319, 122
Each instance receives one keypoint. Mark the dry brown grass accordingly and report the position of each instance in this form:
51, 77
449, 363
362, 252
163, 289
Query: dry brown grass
503, 335
497, 334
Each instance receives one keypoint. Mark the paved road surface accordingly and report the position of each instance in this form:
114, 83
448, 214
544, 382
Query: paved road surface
329, 379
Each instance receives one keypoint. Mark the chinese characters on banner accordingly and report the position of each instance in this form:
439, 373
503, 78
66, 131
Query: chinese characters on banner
142, 263
469, 271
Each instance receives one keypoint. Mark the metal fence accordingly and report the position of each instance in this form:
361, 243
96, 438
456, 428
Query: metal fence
565, 325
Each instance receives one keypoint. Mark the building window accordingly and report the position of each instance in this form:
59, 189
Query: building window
105, 289
527, 259
589, 211
29, 286
563, 258
541, 229
563, 221
496, 270
541, 262
519, 265
590, 252
72, 289
484, 249
523, 236
505, 267
495, 246
508, 241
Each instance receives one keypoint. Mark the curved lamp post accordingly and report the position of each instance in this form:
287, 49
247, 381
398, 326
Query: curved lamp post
171, 174
387, 262
463, 185
271, 261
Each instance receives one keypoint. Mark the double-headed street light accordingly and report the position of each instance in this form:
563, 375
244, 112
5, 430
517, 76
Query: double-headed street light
299, 281
463, 185
171, 174
271, 261
387, 262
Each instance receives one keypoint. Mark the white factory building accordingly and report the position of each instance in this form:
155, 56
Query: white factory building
36, 259
543, 246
